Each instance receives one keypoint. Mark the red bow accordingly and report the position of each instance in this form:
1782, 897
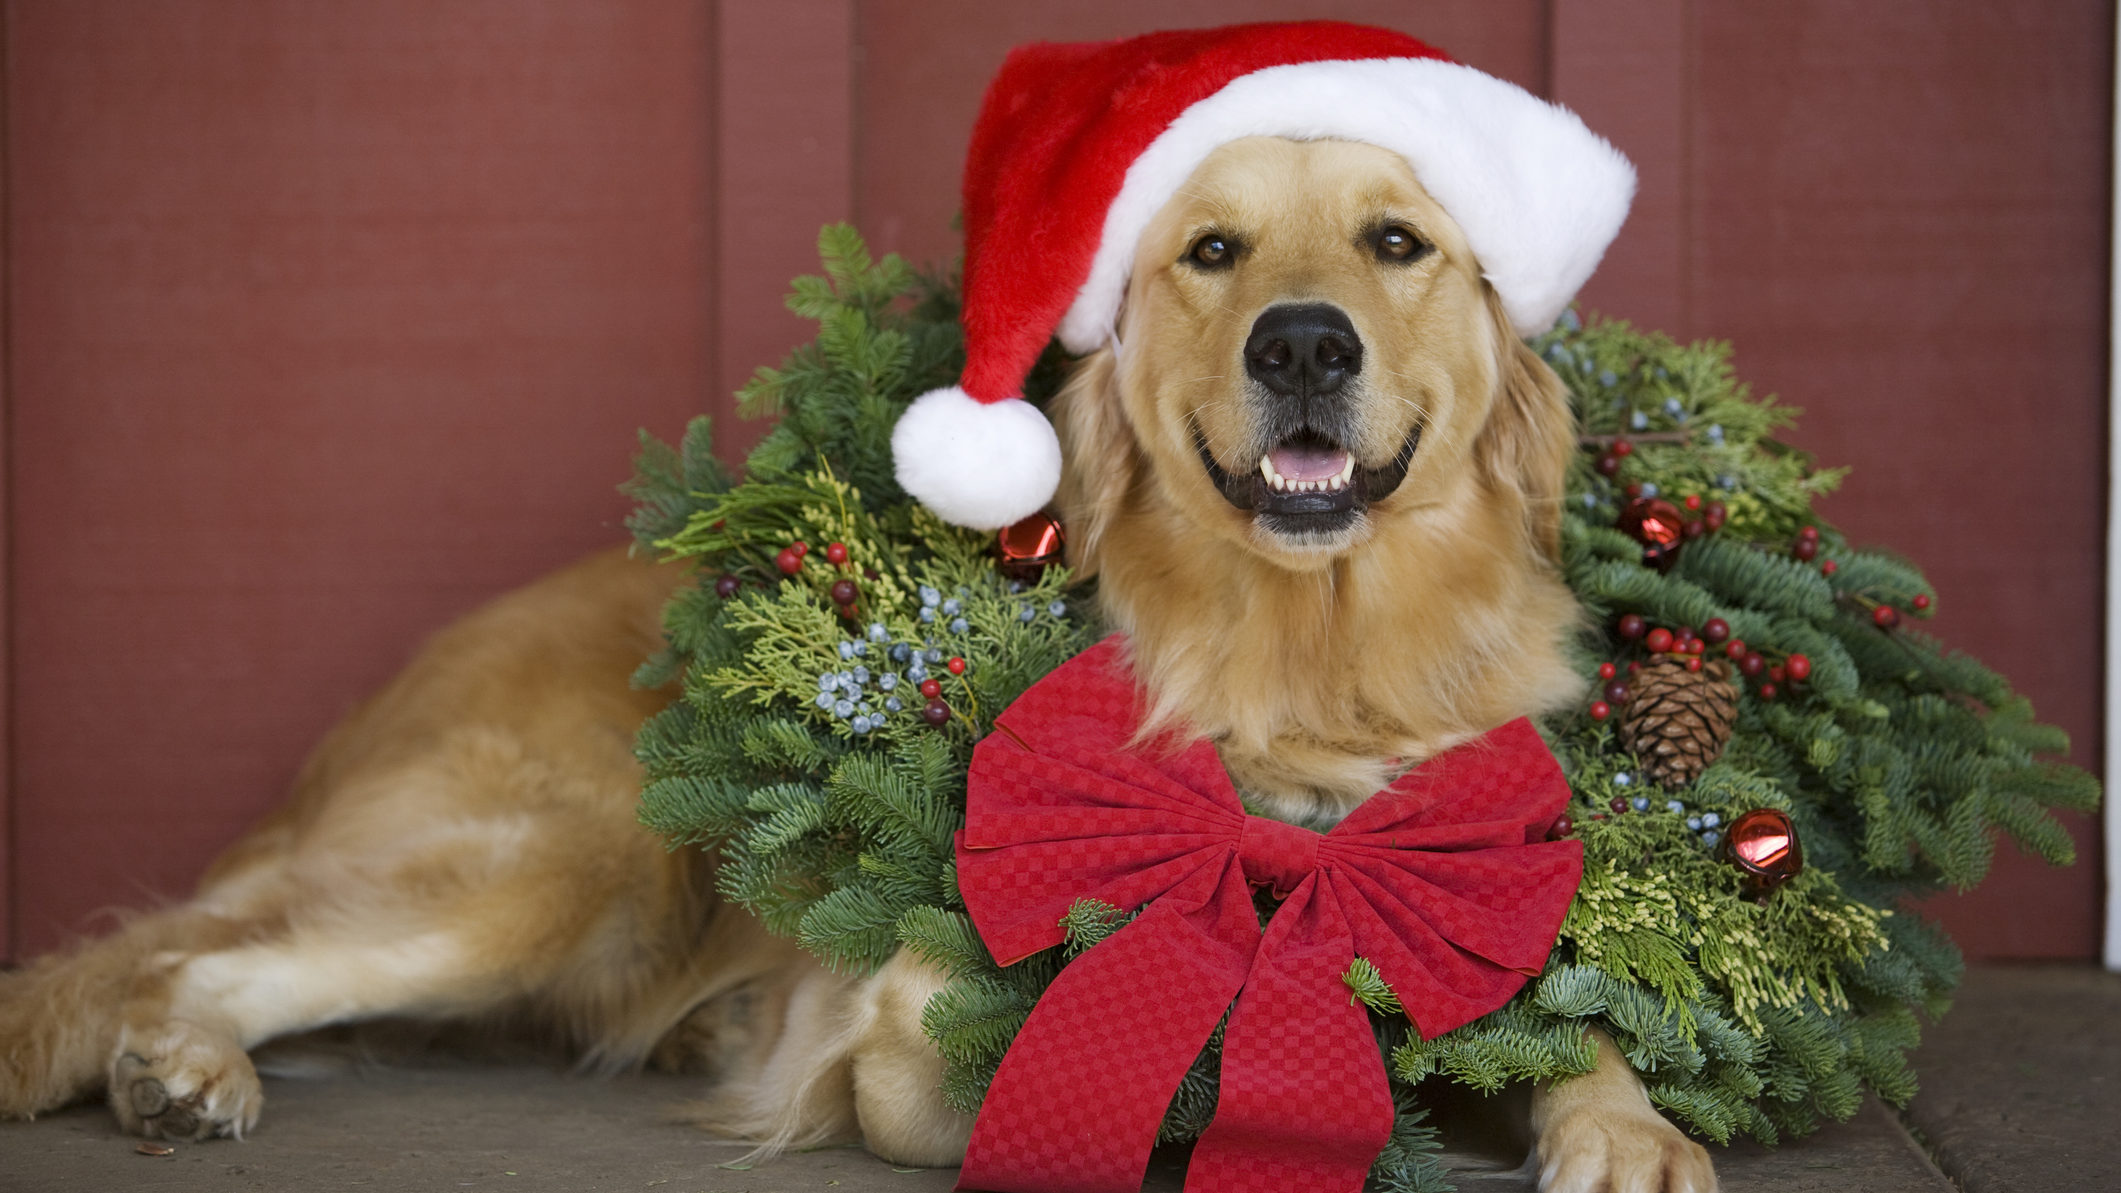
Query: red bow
1443, 881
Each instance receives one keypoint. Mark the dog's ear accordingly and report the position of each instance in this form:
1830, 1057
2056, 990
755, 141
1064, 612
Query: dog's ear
1530, 434
1100, 460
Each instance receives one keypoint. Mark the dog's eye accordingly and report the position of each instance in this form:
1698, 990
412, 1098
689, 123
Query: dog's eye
1212, 251
1396, 242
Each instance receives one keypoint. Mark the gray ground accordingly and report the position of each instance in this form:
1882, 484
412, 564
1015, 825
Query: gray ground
2021, 1091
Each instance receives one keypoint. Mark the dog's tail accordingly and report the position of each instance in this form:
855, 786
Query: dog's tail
803, 1095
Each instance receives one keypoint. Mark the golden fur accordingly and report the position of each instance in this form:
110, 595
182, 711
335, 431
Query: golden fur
463, 847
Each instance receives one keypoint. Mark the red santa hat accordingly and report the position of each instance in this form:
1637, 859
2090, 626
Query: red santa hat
1078, 147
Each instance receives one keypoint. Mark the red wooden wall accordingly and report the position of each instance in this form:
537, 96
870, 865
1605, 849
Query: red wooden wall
324, 322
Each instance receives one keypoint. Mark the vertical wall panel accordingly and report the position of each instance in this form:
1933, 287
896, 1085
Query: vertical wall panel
785, 120
1901, 222
330, 322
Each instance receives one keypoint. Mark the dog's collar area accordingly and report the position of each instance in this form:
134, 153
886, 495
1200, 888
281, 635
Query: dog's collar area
1301, 513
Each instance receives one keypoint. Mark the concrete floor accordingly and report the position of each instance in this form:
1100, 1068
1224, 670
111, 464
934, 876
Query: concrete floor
2021, 1090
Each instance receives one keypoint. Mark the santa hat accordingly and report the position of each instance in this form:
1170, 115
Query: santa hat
1079, 146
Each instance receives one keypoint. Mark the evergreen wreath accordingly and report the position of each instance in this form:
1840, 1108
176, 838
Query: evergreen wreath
803, 748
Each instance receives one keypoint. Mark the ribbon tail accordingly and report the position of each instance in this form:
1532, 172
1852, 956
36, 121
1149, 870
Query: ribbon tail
1305, 1103
1078, 1099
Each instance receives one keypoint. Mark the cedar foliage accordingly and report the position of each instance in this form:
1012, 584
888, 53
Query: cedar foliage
1899, 761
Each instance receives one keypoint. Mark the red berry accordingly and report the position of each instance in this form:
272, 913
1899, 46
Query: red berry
1693, 501
1694, 646
1659, 640
1631, 626
1734, 649
1809, 532
1768, 691
788, 561
1683, 634
1716, 515
850, 612
1622, 447
725, 586
1562, 827
1616, 692
720, 522
1921, 601
1799, 667
800, 548
1607, 671
1752, 664
1693, 664
931, 688
1634, 667
1777, 673
956, 665
1693, 528
1608, 465
1715, 630
836, 552
1829, 568
1600, 710
1633, 491
936, 713
844, 592
1617, 803
1885, 617
1805, 549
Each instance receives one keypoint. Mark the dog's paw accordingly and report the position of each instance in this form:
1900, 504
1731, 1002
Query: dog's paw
1598, 1149
182, 1082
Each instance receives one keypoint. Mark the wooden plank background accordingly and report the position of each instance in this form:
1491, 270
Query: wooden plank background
324, 322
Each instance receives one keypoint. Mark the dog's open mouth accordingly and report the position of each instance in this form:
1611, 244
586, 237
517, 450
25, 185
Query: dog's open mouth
1307, 484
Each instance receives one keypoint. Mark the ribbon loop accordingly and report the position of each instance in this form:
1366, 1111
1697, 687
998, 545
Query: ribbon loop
1443, 881
1277, 855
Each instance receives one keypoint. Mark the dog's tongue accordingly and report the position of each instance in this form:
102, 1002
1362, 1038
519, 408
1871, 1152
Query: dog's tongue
1308, 463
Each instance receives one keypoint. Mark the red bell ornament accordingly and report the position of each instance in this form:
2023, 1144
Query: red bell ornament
1656, 524
1030, 547
1763, 845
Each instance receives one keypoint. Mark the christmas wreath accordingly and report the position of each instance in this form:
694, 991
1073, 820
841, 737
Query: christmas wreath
1776, 761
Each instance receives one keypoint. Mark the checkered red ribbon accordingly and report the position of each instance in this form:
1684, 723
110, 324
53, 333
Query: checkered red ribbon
1444, 881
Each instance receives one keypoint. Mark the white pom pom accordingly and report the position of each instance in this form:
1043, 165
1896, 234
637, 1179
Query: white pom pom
979, 464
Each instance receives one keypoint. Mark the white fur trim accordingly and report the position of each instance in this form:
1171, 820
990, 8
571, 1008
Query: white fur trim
977, 464
1538, 195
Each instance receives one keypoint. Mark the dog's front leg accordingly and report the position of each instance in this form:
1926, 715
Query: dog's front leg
1599, 1132
898, 1074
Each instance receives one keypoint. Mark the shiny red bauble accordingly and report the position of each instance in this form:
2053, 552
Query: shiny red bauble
1763, 845
1656, 524
1030, 546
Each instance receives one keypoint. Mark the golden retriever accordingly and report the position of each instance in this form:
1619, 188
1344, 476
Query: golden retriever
1318, 477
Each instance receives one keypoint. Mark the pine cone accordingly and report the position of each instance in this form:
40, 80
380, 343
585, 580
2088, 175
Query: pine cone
1677, 721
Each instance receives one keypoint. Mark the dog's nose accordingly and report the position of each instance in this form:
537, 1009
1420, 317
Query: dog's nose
1308, 349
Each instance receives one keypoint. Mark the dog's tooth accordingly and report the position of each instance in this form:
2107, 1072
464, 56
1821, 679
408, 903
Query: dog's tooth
1347, 470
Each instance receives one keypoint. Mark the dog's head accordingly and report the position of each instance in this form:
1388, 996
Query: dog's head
1308, 354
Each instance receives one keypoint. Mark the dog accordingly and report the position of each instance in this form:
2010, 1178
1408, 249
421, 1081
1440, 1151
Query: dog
1317, 476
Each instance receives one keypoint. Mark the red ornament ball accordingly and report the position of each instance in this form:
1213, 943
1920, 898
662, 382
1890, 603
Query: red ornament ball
1607, 670
1763, 845
788, 561
844, 592
1600, 710
1799, 667
1659, 640
931, 688
1655, 523
956, 666
1921, 601
1885, 617
936, 713
1029, 547
836, 552
1715, 630
725, 586
1631, 626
